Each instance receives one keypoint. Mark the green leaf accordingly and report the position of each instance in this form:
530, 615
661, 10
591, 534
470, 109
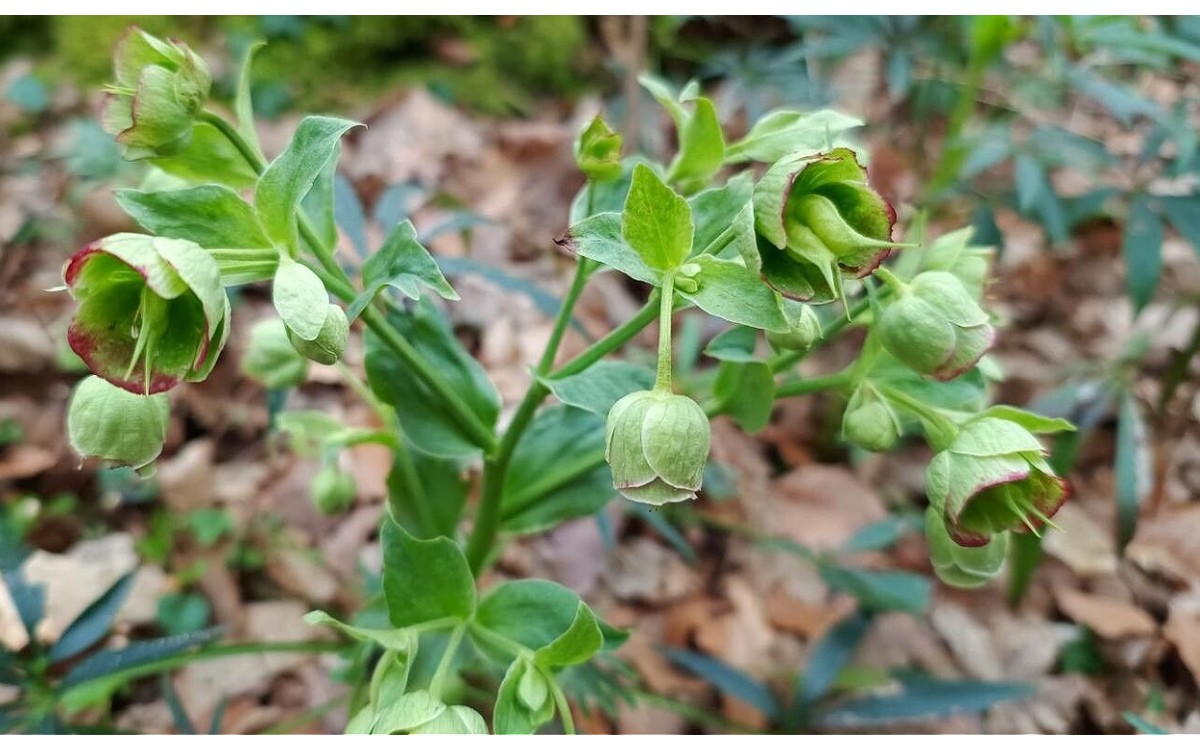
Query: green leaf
736, 344
557, 471
111, 661
1132, 467
290, 176
425, 421
454, 720
1141, 724
445, 493
746, 392
1183, 213
729, 680
530, 612
409, 711
881, 534
600, 239
784, 132
919, 699
317, 203
424, 580
243, 105
713, 210
212, 216
209, 157
1024, 556
392, 639
576, 645
404, 264
1142, 247
600, 386
178, 612
701, 147
512, 715
733, 292
28, 598
92, 624
1029, 420
656, 221
300, 298
828, 658
879, 590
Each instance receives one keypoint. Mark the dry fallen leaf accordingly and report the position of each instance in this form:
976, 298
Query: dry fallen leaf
1183, 631
1108, 617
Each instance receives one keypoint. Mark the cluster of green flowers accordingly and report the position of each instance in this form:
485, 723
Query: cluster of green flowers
153, 311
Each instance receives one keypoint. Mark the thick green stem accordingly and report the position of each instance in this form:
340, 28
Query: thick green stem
612, 341
443, 667
663, 380
814, 385
583, 272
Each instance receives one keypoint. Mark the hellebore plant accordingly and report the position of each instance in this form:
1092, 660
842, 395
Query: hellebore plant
705, 231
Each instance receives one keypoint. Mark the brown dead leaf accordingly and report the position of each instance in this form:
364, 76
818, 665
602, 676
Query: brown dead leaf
1183, 631
1109, 617
187, 478
645, 571
1083, 544
1168, 545
24, 461
822, 505
806, 619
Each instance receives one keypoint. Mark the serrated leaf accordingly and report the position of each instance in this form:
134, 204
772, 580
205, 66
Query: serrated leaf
600, 238
746, 392
656, 221
557, 471
736, 344
212, 216
1142, 248
729, 680
291, 175
729, 290
424, 580
600, 386
402, 263
425, 420
92, 624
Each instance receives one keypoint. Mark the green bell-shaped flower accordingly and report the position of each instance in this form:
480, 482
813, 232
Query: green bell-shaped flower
820, 219
935, 326
804, 328
869, 420
962, 567
656, 444
113, 424
152, 311
159, 90
993, 478
329, 344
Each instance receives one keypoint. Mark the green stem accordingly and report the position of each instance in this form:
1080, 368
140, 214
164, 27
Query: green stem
946, 428
663, 380
443, 667
251, 154
614, 340
832, 329
560, 700
802, 387
582, 273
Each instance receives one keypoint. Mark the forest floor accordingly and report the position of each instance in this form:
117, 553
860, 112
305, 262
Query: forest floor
1101, 631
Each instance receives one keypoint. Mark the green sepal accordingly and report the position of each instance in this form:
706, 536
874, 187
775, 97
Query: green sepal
111, 423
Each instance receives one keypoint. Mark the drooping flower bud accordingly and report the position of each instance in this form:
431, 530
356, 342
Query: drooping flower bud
804, 328
161, 86
869, 421
152, 311
113, 424
819, 211
936, 327
598, 151
656, 444
270, 357
333, 490
963, 567
329, 344
992, 478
